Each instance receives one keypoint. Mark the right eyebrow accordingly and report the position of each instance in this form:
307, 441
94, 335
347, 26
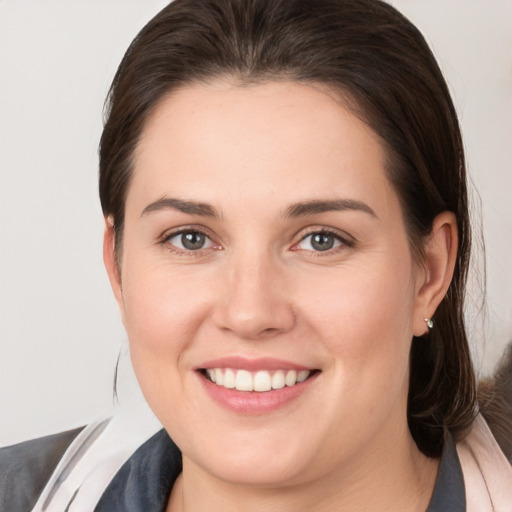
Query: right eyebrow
191, 207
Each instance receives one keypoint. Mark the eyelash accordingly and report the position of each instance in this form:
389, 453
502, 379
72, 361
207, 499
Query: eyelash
344, 241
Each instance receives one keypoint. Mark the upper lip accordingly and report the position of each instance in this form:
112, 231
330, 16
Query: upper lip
242, 363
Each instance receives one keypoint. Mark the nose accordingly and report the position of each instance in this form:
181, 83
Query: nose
253, 300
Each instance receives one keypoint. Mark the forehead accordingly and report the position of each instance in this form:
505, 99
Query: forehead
282, 140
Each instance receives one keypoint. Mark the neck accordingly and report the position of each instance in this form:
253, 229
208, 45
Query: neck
395, 477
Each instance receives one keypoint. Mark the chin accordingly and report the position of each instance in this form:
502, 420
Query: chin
261, 458
260, 471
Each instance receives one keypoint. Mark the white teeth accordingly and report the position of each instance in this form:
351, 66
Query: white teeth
291, 378
302, 375
278, 380
243, 381
261, 381
229, 379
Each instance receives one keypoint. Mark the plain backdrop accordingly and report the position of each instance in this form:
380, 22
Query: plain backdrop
60, 334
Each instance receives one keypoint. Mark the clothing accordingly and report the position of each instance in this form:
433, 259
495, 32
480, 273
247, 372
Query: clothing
26, 467
487, 472
143, 482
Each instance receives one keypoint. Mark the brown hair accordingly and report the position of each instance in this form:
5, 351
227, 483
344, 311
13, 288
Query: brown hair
379, 64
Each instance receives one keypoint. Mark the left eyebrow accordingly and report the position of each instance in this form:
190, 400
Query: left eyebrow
321, 206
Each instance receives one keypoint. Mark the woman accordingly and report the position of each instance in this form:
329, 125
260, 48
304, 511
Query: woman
287, 238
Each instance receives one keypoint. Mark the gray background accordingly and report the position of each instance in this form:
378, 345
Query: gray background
59, 329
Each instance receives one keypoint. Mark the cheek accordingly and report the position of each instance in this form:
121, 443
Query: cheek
364, 319
162, 311
159, 302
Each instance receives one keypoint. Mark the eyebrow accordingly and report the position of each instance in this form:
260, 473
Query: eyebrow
302, 209
190, 207
321, 206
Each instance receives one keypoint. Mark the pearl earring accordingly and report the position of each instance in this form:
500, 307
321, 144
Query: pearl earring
429, 322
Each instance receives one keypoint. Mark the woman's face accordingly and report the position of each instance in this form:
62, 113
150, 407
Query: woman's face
264, 245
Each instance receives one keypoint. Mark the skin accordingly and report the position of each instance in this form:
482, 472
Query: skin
259, 288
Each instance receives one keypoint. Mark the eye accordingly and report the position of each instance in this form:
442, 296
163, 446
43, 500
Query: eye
190, 240
321, 241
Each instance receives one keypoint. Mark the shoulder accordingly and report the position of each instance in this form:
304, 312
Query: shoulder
495, 400
486, 451
487, 472
26, 467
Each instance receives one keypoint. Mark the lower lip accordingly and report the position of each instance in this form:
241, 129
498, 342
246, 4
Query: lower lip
255, 402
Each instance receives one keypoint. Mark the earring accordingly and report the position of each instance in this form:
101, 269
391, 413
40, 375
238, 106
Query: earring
429, 322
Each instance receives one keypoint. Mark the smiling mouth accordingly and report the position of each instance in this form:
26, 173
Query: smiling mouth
259, 381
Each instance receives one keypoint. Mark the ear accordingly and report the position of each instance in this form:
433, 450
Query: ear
437, 270
110, 261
